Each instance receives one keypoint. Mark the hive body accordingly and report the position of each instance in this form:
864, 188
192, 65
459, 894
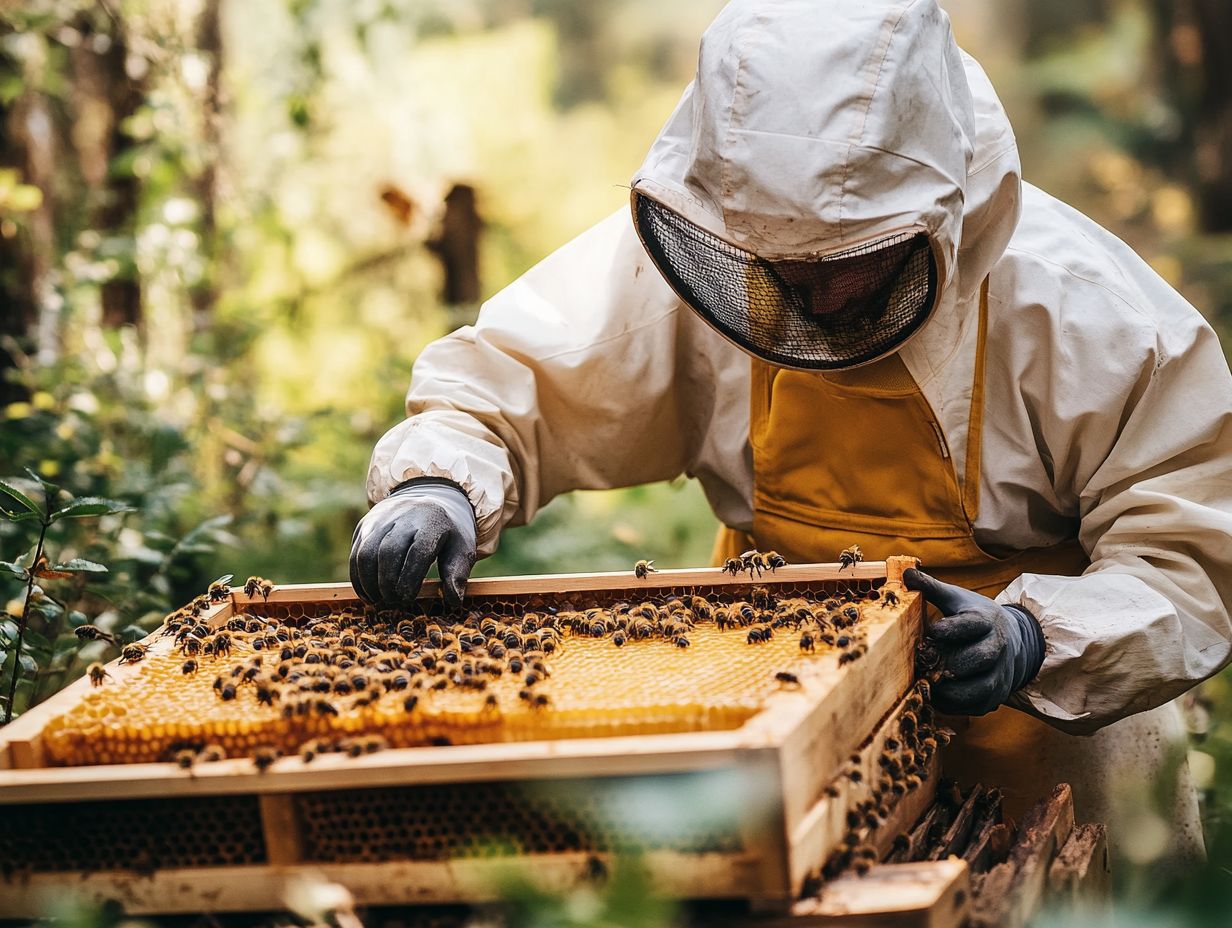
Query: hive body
728, 762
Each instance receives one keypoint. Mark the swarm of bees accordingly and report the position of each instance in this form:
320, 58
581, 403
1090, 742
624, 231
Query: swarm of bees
322, 674
902, 766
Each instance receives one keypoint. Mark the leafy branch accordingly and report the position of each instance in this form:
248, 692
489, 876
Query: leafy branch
40, 567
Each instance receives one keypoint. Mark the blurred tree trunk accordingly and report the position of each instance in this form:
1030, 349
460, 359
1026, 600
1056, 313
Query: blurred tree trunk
209, 44
16, 269
1194, 43
457, 246
27, 143
103, 96
1048, 22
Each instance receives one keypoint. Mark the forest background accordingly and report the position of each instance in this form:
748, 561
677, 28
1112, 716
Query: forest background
227, 227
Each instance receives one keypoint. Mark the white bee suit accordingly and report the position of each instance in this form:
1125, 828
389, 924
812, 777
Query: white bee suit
1108, 398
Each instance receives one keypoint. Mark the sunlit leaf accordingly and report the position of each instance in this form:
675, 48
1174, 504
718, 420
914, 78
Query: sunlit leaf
80, 565
47, 607
88, 506
33, 639
13, 516
14, 569
49, 488
29, 504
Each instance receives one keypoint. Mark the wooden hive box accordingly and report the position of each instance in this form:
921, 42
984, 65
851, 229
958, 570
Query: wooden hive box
741, 813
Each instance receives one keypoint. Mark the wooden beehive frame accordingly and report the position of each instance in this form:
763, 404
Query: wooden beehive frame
797, 743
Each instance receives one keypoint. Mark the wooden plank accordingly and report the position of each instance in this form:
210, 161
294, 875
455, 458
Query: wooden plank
930, 894
816, 745
263, 888
1010, 893
280, 827
1080, 875
762, 836
526, 760
819, 714
821, 829
959, 832
566, 583
896, 564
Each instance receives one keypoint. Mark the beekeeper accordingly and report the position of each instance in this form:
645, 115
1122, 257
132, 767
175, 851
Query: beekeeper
836, 304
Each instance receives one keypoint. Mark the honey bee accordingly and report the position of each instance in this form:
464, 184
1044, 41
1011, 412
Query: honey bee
227, 692
310, 749
189, 666
681, 641
409, 704
185, 758
889, 598
759, 634
211, 753
131, 653
773, 561
807, 644
787, 678
266, 694
733, 566
642, 569
357, 747
221, 644
749, 561
219, 590
97, 674
850, 557
264, 757
94, 633
619, 639
255, 585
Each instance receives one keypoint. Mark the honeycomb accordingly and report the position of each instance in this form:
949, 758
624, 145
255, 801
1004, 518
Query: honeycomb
131, 834
276, 678
496, 819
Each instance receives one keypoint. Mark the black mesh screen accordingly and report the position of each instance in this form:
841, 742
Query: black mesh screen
817, 313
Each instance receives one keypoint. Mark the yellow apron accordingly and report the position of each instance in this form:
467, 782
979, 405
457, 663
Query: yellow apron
858, 457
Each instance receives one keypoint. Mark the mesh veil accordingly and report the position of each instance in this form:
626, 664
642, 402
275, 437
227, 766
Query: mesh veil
826, 313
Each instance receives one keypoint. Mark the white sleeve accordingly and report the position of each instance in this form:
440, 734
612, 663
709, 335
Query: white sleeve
579, 375
1149, 619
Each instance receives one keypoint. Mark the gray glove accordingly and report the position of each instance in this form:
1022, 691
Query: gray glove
989, 651
422, 521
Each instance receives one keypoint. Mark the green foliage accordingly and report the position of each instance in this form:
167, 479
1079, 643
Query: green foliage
123, 498
25, 652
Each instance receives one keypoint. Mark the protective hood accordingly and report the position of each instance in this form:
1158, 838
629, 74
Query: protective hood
816, 126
